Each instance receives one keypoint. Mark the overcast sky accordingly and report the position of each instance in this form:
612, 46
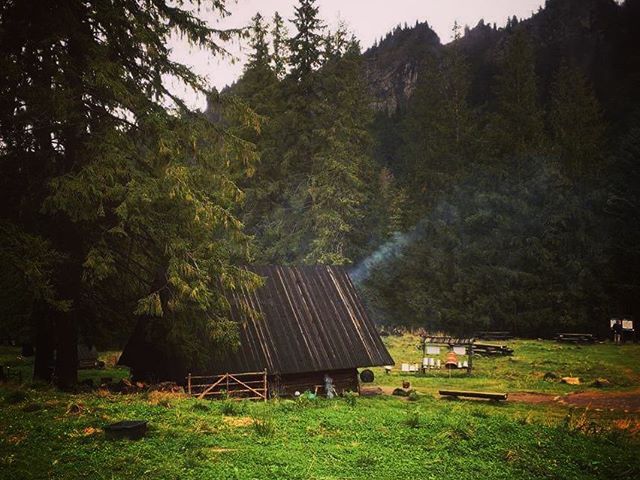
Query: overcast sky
368, 19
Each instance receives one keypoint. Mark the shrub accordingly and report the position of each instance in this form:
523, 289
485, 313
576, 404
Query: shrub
413, 418
200, 407
264, 424
228, 407
350, 398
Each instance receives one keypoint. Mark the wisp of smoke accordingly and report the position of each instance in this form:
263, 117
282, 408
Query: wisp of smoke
383, 254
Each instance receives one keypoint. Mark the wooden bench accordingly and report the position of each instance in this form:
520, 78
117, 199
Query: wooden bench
468, 394
575, 338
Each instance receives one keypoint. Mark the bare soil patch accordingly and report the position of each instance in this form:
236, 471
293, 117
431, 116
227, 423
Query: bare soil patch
529, 397
625, 401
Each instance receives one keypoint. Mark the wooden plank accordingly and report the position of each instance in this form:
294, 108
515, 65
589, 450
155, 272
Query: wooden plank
466, 393
211, 387
243, 390
244, 385
235, 374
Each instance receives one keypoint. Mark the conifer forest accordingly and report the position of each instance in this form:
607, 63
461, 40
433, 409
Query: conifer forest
271, 239
489, 183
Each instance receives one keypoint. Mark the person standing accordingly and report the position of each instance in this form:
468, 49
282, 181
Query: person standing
617, 332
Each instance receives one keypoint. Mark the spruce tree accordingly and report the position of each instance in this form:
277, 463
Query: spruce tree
120, 189
279, 44
342, 172
517, 128
576, 123
439, 128
305, 45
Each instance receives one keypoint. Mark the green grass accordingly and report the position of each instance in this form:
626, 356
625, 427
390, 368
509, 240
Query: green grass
379, 438
54, 435
524, 371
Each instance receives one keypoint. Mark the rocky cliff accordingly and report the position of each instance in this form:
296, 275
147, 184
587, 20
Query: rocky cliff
584, 32
391, 67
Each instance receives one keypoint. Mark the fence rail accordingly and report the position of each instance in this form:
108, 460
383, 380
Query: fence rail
247, 385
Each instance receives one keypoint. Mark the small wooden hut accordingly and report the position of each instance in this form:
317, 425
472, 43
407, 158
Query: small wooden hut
311, 323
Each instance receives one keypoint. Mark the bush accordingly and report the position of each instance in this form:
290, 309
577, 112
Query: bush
350, 398
264, 424
200, 407
413, 418
228, 407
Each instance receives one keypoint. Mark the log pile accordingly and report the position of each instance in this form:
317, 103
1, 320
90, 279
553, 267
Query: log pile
487, 349
575, 338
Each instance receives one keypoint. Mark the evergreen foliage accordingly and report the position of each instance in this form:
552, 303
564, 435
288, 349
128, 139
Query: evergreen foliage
134, 200
517, 128
309, 201
499, 254
503, 194
576, 123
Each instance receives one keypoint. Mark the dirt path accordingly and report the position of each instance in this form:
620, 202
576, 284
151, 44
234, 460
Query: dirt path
625, 401
620, 401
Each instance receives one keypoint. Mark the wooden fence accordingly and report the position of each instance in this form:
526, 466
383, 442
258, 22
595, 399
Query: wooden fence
250, 385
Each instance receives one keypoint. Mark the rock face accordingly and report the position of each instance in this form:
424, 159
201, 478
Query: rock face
391, 67
581, 31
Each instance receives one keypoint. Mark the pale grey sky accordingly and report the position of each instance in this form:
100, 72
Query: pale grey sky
367, 19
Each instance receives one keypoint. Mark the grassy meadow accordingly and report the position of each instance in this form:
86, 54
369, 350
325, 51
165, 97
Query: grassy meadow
525, 370
45, 434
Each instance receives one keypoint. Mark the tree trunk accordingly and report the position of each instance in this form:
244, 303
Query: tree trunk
66, 350
41, 317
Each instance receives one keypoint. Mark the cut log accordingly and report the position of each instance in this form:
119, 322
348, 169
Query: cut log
575, 337
468, 394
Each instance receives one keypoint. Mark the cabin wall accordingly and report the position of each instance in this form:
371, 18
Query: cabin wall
287, 384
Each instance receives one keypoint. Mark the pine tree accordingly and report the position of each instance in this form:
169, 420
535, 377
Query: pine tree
341, 169
279, 44
122, 190
262, 89
517, 129
305, 45
438, 129
576, 122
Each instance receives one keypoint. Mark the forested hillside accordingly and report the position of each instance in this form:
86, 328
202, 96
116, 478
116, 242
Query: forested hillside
487, 183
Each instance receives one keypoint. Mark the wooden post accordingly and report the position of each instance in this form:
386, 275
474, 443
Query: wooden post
189, 383
470, 359
265, 384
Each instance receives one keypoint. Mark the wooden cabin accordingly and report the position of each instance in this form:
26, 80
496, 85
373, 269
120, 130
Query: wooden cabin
310, 323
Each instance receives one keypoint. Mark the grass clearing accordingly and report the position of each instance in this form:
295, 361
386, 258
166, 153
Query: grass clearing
379, 437
525, 370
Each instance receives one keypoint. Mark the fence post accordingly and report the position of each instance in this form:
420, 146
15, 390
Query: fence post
189, 384
265, 384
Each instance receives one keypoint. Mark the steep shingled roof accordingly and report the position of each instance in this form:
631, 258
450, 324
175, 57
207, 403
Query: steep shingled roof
311, 319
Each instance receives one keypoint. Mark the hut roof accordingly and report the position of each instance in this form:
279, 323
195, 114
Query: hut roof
311, 319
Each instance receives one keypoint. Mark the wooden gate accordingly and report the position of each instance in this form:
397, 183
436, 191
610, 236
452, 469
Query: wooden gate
250, 385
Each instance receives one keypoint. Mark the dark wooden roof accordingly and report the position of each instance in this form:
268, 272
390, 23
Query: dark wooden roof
311, 319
